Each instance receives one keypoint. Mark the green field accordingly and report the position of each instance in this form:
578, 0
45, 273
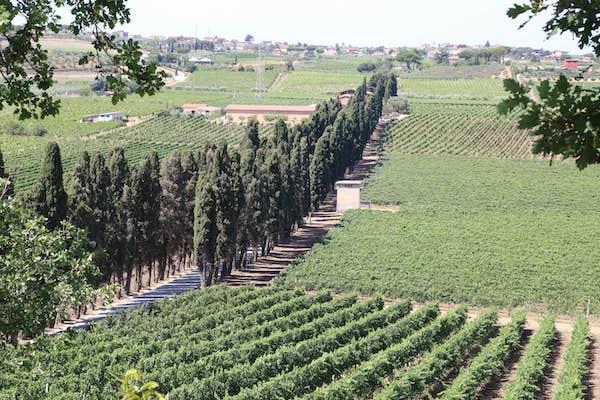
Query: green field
252, 344
227, 80
477, 231
313, 86
455, 89
460, 129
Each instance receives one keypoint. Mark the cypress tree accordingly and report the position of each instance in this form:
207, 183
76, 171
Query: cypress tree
153, 244
391, 88
320, 170
251, 215
49, 198
173, 210
100, 208
189, 166
205, 229
118, 225
79, 194
239, 203
225, 210
274, 192
299, 178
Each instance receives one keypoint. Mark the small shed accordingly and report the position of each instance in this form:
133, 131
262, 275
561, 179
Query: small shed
348, 195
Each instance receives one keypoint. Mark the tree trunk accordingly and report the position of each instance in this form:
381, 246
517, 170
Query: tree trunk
128, 282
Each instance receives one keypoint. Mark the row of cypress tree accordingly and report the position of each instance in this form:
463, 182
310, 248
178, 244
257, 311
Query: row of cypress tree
256, 196
212, 206
135, 216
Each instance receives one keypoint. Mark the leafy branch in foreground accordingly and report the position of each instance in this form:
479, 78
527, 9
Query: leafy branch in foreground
24, 68
564, 117
134, 388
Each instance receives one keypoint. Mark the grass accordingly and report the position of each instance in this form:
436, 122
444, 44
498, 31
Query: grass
311, 86
473, 230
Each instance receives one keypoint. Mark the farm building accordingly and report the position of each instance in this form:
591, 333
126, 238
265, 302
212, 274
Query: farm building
198, 109
201, 61
263, 112
104, 117
571, 64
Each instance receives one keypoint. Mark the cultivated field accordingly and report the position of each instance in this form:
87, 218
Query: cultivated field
459, 129
470, 227
270, 343
486, 89
161, 133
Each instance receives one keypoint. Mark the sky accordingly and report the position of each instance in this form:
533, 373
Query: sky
359, 23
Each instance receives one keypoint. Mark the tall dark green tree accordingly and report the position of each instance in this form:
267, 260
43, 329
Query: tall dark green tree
189, 166
251, 215
320, 172
49, 198
100, 211
205, 227
173, 211
224, 211
79, 193
117, 239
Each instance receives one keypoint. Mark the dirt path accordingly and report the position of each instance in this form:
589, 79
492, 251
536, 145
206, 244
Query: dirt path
177, 284
497, 387
556, 363
593, 382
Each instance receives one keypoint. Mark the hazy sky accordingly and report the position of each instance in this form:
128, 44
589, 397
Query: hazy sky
363, 23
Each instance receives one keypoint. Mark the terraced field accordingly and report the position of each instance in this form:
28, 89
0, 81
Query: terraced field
458, 129
163, 134
270, 343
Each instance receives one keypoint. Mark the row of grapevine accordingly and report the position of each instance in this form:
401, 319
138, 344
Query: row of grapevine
443, 358
458, 129
248, 343
530, 372
489, 363
571, 384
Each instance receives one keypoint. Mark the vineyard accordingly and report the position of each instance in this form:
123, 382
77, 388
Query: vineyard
455, 72
460, 129
161, 133
468, 230
270, 343
476, 89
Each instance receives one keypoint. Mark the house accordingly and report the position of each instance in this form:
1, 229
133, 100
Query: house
198, 109
345, 96
104, 117
265, 112
572, 64
201, 61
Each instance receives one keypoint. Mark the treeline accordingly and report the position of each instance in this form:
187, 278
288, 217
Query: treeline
208, 207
